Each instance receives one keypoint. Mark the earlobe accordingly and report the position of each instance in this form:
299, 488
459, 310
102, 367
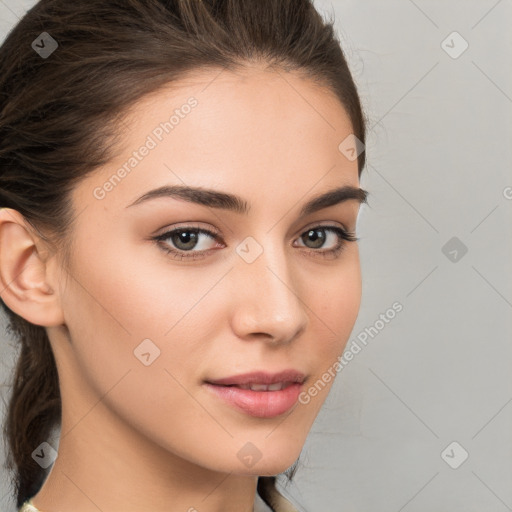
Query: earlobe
24, 285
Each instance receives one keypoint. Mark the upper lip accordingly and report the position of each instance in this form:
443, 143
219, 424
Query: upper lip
261, 377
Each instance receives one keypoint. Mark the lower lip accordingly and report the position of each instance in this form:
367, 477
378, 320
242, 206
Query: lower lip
261, 404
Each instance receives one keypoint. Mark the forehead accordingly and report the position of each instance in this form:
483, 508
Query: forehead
254, 129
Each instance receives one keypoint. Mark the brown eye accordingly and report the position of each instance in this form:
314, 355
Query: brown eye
183, 240
186, 237
316, 238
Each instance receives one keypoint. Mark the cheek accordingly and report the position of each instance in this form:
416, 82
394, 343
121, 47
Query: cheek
112, 302
338, 299
131, 293
336, 306
118, 318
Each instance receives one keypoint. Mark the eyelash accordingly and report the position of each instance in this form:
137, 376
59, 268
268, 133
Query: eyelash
344, 235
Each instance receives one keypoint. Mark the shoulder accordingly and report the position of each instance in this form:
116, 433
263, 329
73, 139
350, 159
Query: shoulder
259, 505
267, 492
28, 507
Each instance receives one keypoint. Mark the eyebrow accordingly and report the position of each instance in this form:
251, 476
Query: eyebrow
223, 200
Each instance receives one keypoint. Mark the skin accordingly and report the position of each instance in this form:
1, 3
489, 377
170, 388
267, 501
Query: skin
138, 437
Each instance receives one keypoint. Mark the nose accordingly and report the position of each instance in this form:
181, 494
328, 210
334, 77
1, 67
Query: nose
267, 299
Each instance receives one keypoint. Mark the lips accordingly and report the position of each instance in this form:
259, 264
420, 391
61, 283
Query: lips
260, 394
261, 404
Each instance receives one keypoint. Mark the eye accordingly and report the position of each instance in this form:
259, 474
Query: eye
195, 240
319, 235
185, 239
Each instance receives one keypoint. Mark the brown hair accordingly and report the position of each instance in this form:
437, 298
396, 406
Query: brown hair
58, 123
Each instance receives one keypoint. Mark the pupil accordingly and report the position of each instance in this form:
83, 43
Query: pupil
187, 237
317, 239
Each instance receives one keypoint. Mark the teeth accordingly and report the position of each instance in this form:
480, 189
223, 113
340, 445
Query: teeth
264, 387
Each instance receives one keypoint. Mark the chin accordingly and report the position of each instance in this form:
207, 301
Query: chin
274, 464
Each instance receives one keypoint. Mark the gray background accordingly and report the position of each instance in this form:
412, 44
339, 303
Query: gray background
439, 164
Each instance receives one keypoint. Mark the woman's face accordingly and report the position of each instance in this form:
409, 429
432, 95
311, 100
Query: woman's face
148, 327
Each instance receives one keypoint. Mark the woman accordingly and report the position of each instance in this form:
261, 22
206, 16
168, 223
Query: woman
179, 191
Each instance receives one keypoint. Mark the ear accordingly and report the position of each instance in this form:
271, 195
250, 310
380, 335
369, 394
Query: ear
24, 276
